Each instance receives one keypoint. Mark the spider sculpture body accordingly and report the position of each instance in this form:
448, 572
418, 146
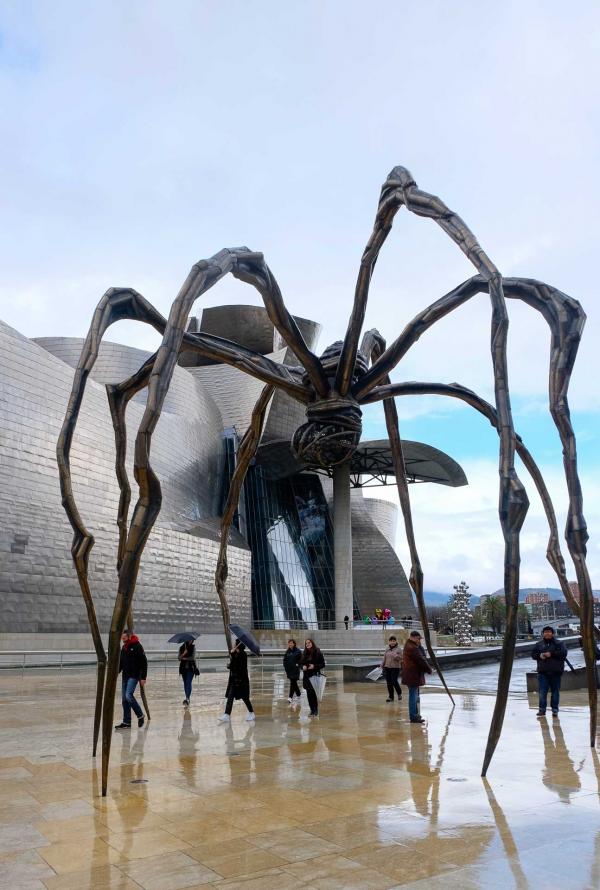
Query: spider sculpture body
333, 387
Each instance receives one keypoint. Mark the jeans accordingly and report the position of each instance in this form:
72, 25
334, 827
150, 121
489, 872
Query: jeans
413, 702
313, 701
294, 689
187, 678
548, 682
129, 700
391, 678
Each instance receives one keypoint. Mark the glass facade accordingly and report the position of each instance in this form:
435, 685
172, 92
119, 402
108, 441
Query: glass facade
289, 532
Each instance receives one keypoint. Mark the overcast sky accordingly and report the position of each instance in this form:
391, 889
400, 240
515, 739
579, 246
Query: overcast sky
138, 138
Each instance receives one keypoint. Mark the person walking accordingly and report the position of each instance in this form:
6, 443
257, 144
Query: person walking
414, 668
291, 665
346, 621
133, 665
550, 655
312, 663
188, 669
392, 659
238, 686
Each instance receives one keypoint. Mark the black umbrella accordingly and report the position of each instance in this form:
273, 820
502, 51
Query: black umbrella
186, 636
245, 637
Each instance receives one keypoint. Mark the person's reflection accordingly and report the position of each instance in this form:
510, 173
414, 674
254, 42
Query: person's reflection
422, 774
132, 806
188, 738
559, 774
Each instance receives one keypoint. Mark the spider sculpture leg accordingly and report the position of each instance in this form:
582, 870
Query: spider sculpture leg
118, 304
373, 345
566, 320
553, 551
246, 451
400, 189
416, 572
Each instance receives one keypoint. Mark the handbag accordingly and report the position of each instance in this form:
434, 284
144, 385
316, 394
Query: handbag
318, 683
375, 674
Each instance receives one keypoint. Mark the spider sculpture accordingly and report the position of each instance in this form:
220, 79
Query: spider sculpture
333, 388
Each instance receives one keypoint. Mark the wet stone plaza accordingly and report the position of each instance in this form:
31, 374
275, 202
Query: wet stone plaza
359, 798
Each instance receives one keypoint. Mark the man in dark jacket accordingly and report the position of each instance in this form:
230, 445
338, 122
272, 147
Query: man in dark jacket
414, 668
133, 665
550, 655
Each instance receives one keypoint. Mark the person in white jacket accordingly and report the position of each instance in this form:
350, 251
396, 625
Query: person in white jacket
390, 665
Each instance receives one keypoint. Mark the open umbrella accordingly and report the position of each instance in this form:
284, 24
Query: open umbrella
185, 636
245, 637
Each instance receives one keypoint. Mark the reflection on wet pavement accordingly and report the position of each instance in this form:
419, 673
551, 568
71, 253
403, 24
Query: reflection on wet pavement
358, 799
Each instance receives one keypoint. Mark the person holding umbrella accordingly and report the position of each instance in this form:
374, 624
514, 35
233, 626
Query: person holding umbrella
188, 669
238, 686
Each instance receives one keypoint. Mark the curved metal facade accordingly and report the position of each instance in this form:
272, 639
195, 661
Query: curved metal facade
38, 586
284, 512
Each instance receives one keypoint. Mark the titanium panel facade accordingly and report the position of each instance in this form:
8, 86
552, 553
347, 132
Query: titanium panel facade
38, 586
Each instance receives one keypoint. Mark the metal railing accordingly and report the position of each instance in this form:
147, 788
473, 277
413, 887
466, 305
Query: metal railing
338, 625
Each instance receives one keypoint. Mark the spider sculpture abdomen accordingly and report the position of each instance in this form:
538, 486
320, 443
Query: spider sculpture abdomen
334, 424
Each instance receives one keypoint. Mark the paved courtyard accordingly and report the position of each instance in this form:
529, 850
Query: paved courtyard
358, 799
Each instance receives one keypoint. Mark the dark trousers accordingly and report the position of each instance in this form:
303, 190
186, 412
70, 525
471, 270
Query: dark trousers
230, 700
313, 701
391, 678
547, 682
294, 689
187, 678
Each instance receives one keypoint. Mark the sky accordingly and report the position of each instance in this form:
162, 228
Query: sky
139, 138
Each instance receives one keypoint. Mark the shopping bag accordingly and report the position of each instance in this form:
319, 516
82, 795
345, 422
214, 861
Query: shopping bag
318, 682
375, 674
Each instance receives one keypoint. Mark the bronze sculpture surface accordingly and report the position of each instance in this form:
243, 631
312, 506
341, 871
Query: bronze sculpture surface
333, 387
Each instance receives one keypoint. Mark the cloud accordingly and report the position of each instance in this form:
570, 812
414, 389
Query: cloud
458, 533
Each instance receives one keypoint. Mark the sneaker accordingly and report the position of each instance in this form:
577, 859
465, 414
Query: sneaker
185, 703
141, 721
314, 713
555, 713
123, 726
251, 718
291, 701
224, 718
389, 699
541, 714
417, 720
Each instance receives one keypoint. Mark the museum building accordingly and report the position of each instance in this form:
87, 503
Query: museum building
282, 566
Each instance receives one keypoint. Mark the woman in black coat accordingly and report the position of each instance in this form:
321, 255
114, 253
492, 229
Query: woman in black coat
187, 668
291, 665
312, 663
238, 686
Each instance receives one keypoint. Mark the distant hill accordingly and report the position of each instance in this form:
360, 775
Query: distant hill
433, 598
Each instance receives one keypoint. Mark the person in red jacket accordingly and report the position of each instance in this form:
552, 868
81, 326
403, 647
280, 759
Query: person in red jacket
414, 668
133, 666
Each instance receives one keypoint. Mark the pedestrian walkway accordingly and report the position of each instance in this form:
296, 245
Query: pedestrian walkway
356, 799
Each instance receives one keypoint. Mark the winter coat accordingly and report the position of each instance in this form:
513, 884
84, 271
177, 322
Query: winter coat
314, 657
188, 662
291, 663
414, 664
239, 681
132, 661
392, 657
558, 653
